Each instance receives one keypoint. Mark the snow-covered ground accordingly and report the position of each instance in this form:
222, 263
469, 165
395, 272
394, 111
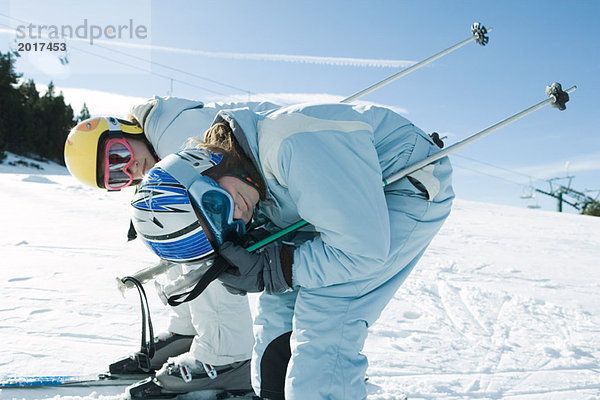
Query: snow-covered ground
505, 304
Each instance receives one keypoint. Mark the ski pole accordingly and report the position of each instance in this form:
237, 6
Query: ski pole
144, 275
459, 145
557, 97
479, 35
205, 273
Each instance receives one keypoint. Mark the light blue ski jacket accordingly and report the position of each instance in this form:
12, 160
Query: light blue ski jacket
325, 164
168, 122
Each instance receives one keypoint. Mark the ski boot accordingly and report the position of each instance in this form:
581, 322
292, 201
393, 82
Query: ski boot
180, 374
166, 345
175, 379
149, 388
183, 374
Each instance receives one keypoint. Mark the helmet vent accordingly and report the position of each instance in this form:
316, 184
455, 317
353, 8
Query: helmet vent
157, 222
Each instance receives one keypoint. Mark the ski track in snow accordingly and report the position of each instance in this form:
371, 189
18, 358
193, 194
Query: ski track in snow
505, 304
500, 315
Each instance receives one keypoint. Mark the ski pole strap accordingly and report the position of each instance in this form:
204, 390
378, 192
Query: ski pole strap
147, 349
217, 268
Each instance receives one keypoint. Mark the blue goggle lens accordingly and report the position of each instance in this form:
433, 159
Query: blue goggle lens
216, 207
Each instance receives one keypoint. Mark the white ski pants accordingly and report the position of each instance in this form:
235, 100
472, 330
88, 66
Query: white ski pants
220, 321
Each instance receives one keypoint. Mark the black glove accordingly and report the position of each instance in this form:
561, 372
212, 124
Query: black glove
268, 269
251, 237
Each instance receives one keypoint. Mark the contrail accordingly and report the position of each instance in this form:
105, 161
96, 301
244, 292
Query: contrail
290, 58
339, 61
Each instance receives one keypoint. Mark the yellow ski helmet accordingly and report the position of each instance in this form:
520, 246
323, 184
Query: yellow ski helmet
85, 141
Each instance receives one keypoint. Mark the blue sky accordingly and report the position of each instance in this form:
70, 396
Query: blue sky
243, 45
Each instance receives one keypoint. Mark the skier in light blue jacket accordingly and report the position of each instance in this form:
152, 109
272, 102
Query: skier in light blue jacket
322, 289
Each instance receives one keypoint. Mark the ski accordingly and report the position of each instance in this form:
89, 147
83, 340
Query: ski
150, 389
105, 379
101, 384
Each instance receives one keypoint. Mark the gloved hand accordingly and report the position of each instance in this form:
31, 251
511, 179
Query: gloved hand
268, 269
251, 237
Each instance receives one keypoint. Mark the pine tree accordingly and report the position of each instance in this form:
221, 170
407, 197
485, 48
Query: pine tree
84, 113
31, 124
9, 103
592, 207
55, 120
29, 97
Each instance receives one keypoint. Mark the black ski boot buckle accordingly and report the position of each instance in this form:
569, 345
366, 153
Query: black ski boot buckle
143, 361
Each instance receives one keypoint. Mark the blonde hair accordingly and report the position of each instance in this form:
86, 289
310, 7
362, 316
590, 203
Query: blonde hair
219, 138
132, 119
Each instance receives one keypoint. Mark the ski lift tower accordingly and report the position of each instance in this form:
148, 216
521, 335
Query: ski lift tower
565, 194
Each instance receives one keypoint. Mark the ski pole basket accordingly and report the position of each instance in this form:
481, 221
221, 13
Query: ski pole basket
479, 32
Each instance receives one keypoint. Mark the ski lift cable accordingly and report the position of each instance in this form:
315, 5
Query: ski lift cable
148, 61
597, 191
530, 177
175, 69
139, 68
530, 198
528, 189
454, 164
151, 72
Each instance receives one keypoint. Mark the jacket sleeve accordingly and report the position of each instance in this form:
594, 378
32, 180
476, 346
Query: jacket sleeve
169, 122
335, 180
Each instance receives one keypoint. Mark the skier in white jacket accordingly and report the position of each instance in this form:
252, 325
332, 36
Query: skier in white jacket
213, 332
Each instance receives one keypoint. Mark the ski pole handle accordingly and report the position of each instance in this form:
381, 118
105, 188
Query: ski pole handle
277, 235
184, 281
144, 275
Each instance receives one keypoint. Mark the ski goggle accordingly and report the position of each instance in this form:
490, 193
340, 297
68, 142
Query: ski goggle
216, 207
118, 157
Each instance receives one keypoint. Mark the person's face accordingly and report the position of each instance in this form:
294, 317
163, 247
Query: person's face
143, 160
244, 196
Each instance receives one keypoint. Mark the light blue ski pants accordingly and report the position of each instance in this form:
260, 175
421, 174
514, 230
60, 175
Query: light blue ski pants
329, 325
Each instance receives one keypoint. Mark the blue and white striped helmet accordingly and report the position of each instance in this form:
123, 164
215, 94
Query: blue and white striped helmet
181, 215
